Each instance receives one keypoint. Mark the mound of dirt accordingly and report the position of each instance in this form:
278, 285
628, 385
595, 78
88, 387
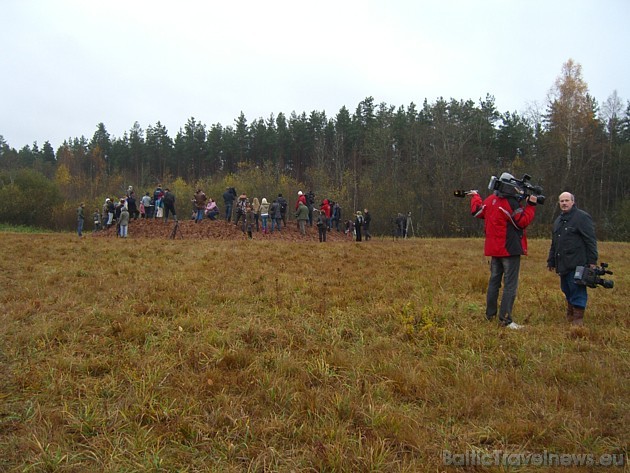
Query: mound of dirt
216, 230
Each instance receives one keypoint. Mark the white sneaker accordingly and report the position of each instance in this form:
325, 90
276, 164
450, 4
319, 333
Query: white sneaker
514, 326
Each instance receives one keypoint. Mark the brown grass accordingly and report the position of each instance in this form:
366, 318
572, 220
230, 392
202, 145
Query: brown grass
161, 355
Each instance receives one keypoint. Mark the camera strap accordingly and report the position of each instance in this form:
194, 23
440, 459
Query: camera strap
509, 216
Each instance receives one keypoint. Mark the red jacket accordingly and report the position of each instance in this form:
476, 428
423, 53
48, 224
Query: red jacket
302, 199
505, 223
325, 208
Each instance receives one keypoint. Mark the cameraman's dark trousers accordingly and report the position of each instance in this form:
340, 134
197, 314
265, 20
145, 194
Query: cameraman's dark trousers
504, 269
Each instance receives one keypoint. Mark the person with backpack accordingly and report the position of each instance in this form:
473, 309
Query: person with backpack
282, 202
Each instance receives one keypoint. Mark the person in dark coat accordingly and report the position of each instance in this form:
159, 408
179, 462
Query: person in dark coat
169, 205
573, 244
367, 218
228, 199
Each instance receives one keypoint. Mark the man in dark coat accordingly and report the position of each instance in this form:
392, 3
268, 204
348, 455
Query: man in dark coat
573, 244
228, 199
169, 205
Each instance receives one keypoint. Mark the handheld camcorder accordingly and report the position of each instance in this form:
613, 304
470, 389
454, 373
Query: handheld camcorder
590, 277
508, 185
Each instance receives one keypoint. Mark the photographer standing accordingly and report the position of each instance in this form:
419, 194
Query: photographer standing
505, 223
573, 244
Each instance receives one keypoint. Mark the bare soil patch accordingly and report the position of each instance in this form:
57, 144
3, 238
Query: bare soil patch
217, 230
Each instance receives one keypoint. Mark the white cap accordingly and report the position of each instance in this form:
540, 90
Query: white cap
299, 192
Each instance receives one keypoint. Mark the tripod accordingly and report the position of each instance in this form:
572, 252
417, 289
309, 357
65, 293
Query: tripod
409, 226
176, 230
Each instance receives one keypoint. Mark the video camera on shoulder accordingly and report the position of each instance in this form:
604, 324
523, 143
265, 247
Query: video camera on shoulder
590, 277
508, 185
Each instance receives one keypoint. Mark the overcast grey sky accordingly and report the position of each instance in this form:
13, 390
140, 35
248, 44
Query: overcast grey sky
69, 64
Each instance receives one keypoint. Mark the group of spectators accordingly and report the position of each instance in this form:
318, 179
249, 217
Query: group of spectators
270, 216
258, 215
120, 212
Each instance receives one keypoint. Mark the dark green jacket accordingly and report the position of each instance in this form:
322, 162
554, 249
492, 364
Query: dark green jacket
573, 242
302, 212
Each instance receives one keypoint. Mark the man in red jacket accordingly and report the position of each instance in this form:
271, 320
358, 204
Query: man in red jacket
505, 222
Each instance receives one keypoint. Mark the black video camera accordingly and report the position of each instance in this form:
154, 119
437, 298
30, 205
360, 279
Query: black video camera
508, 185
590, 277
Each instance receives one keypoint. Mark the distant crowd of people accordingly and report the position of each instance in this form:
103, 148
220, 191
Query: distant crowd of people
255, 215
271, 216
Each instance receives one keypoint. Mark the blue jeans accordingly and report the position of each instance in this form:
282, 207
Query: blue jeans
264, 222
80, 227
228, 211
504, 269
576, 295
199, 216
275, 221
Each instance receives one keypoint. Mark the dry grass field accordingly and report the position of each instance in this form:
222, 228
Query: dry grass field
265, 356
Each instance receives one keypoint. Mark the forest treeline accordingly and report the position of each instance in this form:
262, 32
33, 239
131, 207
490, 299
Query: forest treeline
385, 158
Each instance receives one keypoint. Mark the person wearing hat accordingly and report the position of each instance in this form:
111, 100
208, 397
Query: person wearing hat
111, 208
301, 200
123, 222
505, 219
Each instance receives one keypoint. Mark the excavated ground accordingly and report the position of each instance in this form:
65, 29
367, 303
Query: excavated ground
216, 230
